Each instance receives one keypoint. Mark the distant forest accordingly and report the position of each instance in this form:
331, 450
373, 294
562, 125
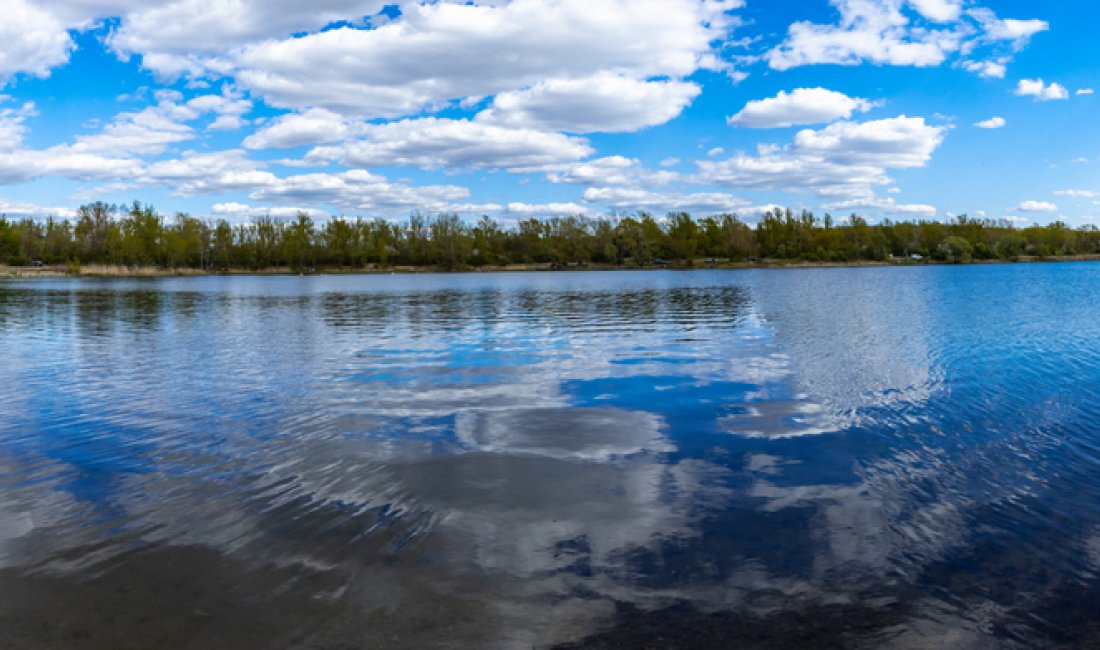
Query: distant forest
137, 235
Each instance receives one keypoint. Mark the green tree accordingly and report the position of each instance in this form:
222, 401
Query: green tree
956, 249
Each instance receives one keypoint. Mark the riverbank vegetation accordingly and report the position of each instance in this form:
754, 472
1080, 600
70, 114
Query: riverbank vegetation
137, 236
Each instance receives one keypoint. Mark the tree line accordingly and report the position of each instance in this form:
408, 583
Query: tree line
137, 235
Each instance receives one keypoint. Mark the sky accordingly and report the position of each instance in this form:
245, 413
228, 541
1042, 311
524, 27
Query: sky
232, 109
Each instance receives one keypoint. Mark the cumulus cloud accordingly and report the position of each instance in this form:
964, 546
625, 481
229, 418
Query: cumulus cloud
641, 199
13, 125
172, 37
991, 69
354, 191
1085, 91
869, 30
941, 11
1037, 206
604, 102
432, 143
995, 122
843, 159
439, 52
310, 127
1015, 32
358, 190
546, 209
194, 171
611, 170
226, 182
885, 205
175, 36
882, 32
35, 41
1041, 91
19, 164
234, 211
153, 129
800, 106
900, 142
23, 209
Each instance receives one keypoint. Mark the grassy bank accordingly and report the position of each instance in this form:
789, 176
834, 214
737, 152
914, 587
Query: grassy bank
113, 271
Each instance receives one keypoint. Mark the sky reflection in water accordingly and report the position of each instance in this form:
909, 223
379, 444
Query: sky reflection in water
889, 457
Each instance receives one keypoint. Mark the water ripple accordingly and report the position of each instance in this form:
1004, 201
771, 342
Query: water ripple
884, 457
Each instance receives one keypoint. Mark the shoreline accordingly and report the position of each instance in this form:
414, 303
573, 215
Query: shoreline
109, 271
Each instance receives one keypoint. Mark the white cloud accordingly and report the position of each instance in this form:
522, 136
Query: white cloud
34, 41
227, 182
439, 52
800, 106
941, 11
995, 122
233, 211
198, 167
146, 132
310, 127
1037, 206
641, 199
1015, 32
228, 108
13, 125
1081, 194
358, 190
173, 36
604, 102
843, 159
879, 31
611, 170
176, 35
23, 209
716, 151
227, 123
433, 143
869, 30
991, 69
19, 164
1041, 91
153, 129
24, 165
1085, 91
900, 143
546, 209
884, 205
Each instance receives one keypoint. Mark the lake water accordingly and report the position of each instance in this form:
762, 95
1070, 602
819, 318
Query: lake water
887, 457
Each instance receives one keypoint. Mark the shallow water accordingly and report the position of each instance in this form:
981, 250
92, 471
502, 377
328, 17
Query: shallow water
888, 457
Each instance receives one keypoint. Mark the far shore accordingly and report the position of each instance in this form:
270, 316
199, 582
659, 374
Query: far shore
112, 271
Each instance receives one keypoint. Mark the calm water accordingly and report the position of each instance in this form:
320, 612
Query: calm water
895, 457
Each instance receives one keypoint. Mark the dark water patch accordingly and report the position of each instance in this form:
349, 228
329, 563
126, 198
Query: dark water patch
685, 628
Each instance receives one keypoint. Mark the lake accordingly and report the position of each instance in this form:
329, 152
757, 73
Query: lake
887, 457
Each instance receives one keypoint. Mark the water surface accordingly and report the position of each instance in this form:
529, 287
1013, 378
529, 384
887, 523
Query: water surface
887, 457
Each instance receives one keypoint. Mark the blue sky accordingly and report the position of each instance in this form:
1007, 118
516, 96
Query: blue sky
901, 109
